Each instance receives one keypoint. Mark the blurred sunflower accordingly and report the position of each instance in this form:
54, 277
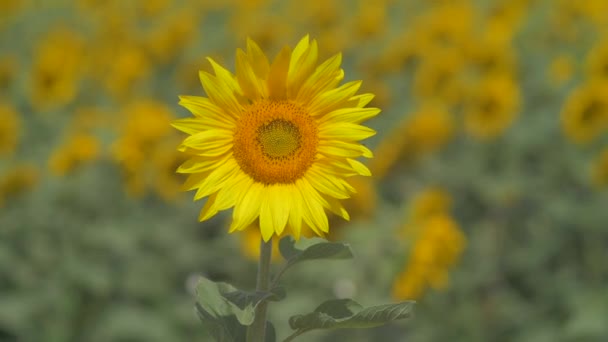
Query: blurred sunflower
585, 113
57, 69
439, 76
437, 247
9, 129
277, 140
597, 61
492, 107
79, 149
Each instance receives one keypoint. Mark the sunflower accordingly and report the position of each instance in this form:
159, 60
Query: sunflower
276, 140
9, 129
585, 113
492, 107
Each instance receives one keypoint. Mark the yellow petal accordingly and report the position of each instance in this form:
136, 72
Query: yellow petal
257, 59
333, 99
345, 131
298, 51
326, 76
214, 181
336, 207
199, 164
246, 77
279, 207
295, 214
212, 150
209, 209
315, 214
221, 95
343, 149
195, 125
322, 184
224, 76
226, 196
277, 77
359, 167
266, 222
354, 115
361, 100
197, 140
204, 108
247, 208
300, 69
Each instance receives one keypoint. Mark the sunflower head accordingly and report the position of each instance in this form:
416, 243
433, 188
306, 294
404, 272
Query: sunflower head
276, 140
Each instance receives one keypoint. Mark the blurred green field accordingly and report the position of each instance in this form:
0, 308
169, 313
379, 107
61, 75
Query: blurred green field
487, 203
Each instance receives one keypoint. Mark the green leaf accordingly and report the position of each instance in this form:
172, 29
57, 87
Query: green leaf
225, 310
346, 313
319, 249
222, 329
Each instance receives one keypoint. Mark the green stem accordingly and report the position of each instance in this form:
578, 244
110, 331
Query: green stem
257, 330
295, 334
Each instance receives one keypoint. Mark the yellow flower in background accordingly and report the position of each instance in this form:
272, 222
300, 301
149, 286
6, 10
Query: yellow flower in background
10, 126
145, 150
438, 247
370, 18
446, 25
428, 203
125, 67
18, 180
597, 61
277, 140
599, 171
491, 107
362, 205
424, 131
57, 69
429, 127
438, 77
169, 40
79, 149
491, 54
585, 113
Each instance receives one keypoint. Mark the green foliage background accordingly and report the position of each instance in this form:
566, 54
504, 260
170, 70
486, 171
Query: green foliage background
82, 260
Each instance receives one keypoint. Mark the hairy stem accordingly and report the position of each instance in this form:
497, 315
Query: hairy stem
257, 330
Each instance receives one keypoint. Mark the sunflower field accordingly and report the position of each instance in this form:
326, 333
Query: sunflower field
487, 203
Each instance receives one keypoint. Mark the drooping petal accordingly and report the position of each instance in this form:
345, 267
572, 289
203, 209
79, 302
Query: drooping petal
279, 207
247, 208
295, 214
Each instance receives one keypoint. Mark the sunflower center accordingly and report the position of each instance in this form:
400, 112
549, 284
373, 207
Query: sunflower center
275, 141
279, 138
